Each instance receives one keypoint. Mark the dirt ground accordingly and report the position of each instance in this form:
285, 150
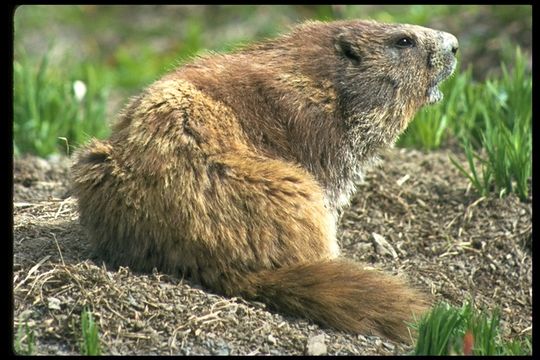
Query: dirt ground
439, 234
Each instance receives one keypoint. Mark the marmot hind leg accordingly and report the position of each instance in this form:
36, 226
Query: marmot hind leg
258, 214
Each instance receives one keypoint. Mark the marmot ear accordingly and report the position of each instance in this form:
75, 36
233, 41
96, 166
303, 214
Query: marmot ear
347, 48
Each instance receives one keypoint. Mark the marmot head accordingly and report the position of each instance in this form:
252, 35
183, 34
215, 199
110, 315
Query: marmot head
380, 72
408, 57
394, 67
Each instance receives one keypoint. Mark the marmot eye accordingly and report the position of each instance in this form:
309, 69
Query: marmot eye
405, 42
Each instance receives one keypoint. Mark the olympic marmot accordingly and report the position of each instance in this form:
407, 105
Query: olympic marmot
232, 170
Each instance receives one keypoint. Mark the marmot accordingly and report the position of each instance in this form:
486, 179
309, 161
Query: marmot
232, 169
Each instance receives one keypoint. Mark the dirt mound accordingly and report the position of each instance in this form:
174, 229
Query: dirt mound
414, 216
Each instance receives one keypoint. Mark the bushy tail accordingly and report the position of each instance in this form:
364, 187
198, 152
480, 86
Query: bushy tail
340, 294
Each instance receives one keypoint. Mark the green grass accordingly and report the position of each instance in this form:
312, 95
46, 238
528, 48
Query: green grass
25, 342
443, 331
499, 153
46, 110
89, 334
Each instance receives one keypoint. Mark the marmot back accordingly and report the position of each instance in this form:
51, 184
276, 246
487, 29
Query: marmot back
232, 170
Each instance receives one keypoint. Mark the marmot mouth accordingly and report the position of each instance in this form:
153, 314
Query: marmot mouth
434, 95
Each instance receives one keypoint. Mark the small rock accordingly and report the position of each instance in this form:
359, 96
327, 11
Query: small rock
221, 352
382, 247
272, 340
316, 346
364, 248
53, 303
138, 325
222, 349
42, 164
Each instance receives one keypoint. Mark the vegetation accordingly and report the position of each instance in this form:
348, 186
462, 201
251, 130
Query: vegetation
448, 330
55, 105
90, 334
25, 342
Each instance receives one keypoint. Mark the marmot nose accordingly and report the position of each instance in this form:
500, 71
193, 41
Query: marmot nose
449, 42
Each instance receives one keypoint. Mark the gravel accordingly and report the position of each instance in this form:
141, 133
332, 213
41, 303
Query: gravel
414, 216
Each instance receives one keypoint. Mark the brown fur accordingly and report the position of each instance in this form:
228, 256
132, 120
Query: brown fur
232, 170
